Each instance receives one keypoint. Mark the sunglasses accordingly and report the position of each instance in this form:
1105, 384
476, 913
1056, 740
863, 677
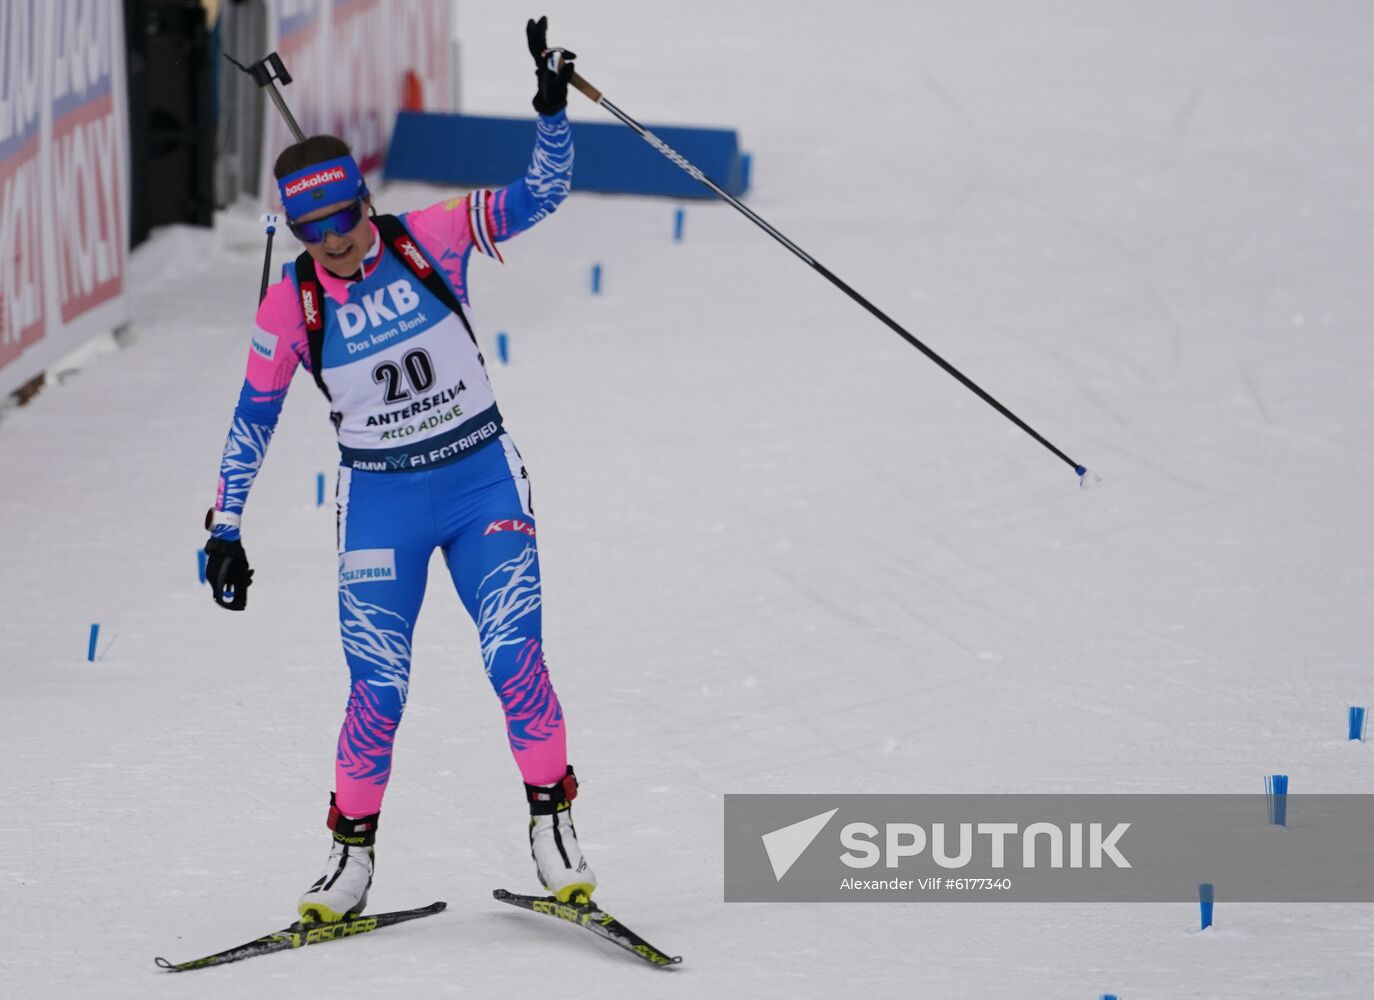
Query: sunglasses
342, 222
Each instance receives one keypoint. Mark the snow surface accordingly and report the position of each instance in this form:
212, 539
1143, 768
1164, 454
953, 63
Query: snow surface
782, 551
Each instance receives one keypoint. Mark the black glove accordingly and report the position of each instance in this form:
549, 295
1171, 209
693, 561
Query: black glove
555, 69
227, 573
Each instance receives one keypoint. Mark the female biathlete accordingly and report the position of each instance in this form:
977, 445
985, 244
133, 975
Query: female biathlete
375, 309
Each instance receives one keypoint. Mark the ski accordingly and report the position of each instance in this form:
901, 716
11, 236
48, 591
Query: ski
298, 935
593, 918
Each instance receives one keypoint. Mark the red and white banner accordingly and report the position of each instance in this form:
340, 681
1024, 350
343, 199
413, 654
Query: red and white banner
64, 180
348, 61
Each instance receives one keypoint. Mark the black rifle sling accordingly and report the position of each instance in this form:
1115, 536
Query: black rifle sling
405, 247
408, 249
311, 294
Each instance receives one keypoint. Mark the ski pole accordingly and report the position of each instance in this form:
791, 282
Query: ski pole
271, 218
596, 97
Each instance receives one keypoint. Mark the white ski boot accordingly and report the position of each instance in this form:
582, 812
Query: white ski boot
341, 892
553, 841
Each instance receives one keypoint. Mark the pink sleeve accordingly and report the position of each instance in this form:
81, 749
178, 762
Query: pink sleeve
279, 343
446, 231
444, 225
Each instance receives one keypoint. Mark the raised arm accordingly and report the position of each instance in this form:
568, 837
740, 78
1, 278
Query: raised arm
451, 229
516, 207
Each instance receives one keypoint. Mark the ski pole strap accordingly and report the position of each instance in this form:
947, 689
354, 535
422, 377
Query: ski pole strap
355, 832
545, 800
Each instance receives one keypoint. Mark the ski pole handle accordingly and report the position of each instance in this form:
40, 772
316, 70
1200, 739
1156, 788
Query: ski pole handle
591, 92
272, 221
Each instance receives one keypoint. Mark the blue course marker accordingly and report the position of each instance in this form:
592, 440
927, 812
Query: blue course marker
503, 347
679, 217
95, 636
1204, 900
200, 560
1108, 996
1276, 797
1357, 722
319, 489
596, 279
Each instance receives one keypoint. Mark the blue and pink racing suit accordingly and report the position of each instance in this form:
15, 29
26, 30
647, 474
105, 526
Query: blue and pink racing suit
425, 464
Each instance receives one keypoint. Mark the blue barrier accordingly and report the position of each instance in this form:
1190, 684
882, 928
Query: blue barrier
1276, 797
473, 151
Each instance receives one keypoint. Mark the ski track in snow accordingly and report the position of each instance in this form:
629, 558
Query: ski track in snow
781, 550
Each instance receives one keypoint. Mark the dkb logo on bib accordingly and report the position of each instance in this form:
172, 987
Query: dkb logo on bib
373, 310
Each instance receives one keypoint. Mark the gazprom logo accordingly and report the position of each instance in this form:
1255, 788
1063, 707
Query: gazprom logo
367, 566
265, 344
